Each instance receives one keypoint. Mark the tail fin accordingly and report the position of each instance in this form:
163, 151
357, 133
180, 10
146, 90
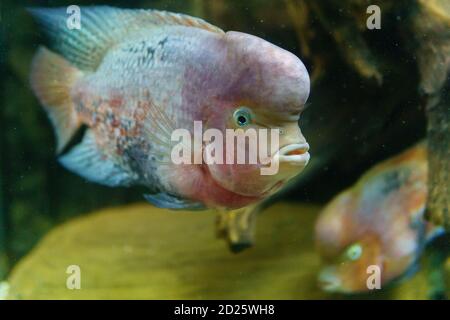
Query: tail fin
52, 78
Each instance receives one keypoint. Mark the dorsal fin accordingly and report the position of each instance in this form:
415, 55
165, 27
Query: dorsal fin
102, 27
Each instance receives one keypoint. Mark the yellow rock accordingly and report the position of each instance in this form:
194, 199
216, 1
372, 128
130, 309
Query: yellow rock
140, 252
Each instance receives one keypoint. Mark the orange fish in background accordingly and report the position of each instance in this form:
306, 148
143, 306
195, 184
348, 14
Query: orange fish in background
132, 77
379, 221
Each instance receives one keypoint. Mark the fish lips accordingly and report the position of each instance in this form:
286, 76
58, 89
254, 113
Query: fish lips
295, 154
328, 280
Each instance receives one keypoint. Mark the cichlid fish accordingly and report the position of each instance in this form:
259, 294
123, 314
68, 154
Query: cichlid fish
132, 77
378, 222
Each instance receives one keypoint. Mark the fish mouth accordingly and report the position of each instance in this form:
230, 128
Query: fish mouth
328, 281
295, 154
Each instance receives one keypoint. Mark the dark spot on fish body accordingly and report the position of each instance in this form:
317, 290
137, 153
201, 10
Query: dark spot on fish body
394, 180
136, 155
162, 42
144, 53
123, 142
129, 125
135, 48
150, 52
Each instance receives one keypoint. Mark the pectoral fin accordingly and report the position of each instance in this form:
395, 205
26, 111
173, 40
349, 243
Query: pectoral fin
167, 201
88, 161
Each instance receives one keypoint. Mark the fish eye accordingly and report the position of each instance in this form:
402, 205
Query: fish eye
242, 116
354, 252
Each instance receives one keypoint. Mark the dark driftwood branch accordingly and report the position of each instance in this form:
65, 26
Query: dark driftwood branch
432, 26
439, 161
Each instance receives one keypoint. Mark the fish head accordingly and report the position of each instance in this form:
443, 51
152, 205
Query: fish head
349, 271
377, 223
347, 248
263, 91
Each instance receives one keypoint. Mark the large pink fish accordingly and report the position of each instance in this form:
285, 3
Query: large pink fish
131, 77
378, 222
